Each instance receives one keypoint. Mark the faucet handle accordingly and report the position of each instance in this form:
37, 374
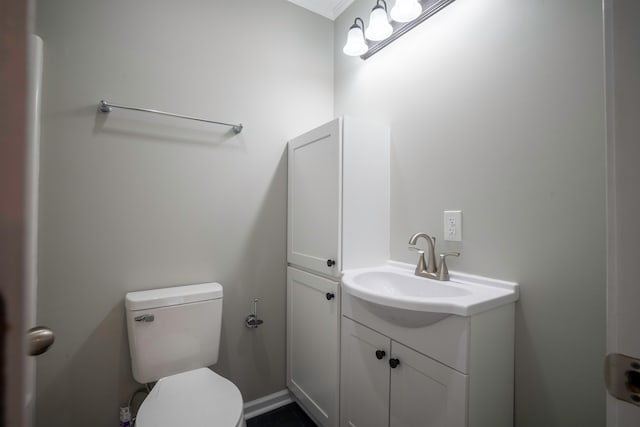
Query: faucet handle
450, 254
443, 271
421, 267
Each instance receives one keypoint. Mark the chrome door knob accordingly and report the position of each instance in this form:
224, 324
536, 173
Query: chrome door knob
39, 340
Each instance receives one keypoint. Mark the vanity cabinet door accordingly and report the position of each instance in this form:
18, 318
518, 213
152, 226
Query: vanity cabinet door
365, 376
313, 310
425, 392
315, 194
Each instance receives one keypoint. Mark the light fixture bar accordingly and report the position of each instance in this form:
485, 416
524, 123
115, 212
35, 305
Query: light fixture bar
429, 8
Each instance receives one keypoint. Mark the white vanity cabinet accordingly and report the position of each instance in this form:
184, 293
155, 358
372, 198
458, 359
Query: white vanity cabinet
365, 376
406, 369
424, 392
338, 217
385, 383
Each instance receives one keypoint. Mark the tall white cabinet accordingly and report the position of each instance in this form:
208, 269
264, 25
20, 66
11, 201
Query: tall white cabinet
338, 218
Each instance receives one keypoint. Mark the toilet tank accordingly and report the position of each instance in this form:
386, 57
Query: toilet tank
173, 330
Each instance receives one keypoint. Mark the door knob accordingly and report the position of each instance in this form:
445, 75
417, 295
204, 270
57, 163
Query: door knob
331, 262
330, 296
39, 340
394, 363
380, 354
622, 377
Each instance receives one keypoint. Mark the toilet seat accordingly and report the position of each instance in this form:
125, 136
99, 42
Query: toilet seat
198, 398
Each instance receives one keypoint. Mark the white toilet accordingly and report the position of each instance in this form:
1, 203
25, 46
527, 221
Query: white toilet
174, 334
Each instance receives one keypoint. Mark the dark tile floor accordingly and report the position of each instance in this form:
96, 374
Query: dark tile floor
287, 416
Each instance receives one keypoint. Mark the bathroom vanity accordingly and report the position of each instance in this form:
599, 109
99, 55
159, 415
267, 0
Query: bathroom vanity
417, 352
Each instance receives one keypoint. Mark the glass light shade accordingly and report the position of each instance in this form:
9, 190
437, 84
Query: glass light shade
379, 27
406, 10
355, 45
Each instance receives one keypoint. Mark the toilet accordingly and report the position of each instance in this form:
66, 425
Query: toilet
174, 334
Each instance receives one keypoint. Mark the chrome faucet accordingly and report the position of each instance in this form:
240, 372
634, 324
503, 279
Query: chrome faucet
428, 268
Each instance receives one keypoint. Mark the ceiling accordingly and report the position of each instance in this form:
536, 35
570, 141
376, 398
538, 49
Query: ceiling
328, 8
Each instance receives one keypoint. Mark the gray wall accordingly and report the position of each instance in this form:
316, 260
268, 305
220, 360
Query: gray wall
497, 108
131, 201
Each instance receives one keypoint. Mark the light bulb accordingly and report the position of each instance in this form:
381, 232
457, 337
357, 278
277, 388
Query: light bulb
406, 10
355, 45
379, 27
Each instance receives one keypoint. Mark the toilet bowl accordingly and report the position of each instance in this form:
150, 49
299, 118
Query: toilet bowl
194, 398
174, 335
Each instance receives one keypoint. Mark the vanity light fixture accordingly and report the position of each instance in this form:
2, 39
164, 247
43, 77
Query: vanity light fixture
379, 27
356, 45
406, 10
405, 15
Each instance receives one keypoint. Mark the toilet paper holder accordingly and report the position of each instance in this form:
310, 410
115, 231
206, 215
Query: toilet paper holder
252, 321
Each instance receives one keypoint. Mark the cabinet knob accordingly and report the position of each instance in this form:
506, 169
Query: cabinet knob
330, 296
331, 262
380, 354
394, 363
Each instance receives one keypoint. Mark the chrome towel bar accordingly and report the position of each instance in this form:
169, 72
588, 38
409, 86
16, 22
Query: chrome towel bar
105, 107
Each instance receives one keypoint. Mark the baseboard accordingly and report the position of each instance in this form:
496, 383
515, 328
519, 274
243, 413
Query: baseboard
267, 403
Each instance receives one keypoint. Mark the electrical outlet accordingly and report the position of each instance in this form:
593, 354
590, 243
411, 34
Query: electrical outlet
453, 226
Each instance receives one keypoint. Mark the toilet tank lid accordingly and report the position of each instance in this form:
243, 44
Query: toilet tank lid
155, 298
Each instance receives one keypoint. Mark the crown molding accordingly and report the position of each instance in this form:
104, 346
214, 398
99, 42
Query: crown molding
340, 6
330, 9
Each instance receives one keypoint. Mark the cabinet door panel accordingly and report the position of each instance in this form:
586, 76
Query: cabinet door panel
426, 393
315, 199
312, 344
364, 377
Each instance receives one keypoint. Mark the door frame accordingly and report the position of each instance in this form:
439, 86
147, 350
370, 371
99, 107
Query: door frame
14, 27
622, 66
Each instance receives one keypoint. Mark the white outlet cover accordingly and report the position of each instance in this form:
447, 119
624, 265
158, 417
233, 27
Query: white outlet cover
452, 226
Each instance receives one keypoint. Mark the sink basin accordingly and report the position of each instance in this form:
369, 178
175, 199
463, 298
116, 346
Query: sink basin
398, 285
395, 285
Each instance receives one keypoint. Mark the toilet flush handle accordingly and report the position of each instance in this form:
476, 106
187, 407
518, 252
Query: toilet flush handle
145, 318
